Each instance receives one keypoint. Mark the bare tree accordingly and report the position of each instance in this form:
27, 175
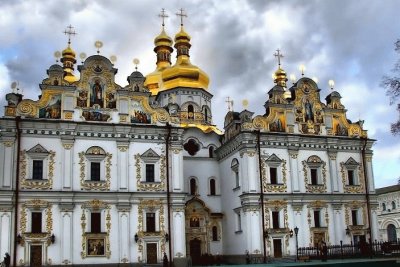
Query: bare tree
392, 85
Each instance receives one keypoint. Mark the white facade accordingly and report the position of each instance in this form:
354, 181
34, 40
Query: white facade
388, 213
104, 173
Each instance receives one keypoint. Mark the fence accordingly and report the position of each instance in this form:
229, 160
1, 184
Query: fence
359, 250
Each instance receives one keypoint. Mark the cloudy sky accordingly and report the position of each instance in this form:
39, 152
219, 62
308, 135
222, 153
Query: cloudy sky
349, 41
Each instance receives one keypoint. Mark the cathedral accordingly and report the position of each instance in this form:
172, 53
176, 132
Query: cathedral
93, 172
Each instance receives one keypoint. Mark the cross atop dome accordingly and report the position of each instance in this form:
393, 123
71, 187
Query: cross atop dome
70, 32
163, 15
279, 56
181, 14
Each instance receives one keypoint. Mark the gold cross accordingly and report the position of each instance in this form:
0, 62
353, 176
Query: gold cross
69, 32
162, 15
230, 103
181, 14
279, 56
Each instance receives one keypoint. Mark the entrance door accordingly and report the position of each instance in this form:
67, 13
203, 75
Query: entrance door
391, 233
277, 248
318, 238
36, 255
151, 249
195, 251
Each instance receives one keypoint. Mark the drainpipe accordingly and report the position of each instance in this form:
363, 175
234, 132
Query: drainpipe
16, 197
168, 194
261, 195
366, 187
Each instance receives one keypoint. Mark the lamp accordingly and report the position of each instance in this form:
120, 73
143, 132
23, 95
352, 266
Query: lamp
291, 233
52, 238
266, 234
136, 238
296, 231
347, 230
19, 239
166, 237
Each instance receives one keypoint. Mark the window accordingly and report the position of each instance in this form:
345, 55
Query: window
275, 219
214, 233
149, 172
37, 171
95, 222
317, 218
36, 222
383, 206
238, 222
95, 171
211, 151
314, 176
350, 175
190, 112
354, 215
212, 187
235, 170
193, 187
150, 222
393, 205
192, 147
273, 175
194, 222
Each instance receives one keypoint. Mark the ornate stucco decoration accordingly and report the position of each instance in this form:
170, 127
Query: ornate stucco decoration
95, 154
26, 157
31, 109
36, 205
96, 205
139, 163
351, 164
316, 163
274, 161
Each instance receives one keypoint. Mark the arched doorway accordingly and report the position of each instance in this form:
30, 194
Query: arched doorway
391, 233
195, 250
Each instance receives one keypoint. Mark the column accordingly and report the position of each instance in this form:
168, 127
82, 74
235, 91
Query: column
250, 171
5, 233
66, 232
294, 171
255, 230
333, 172
67, 159
374, 225
370, 174
122, 168
178, 235
177, 169
8, 161
123, 217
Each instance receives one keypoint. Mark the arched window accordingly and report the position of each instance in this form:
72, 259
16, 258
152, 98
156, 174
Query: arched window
214, 233
211, 151
190, 112
393, 205
235, 170
193, 186
383, 206
391, 233
205, 115
212, 187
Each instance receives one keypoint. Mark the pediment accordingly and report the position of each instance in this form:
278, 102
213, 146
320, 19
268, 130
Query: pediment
351, 161
150, 153
38, 149
274, 158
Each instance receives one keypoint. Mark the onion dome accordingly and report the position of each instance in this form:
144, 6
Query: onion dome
183, 73
280, 77
68, 60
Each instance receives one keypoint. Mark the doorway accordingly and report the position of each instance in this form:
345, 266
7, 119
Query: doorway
277, 248
151, 249
391, 233
36, 255
195, 250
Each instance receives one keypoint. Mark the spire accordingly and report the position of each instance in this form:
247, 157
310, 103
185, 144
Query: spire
68, 57
163, 45
280, 75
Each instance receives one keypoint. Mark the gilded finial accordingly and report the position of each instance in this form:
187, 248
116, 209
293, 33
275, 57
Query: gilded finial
82, 56
293, 78
302, 68
70, 33
230, 103
98, 45
181, 14
14, 87
113, 59
57, 55
245, 103
136, 62
279, 56
163, 16
331, 84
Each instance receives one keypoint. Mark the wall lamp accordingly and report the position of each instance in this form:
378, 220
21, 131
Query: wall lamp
136, 238
166, 237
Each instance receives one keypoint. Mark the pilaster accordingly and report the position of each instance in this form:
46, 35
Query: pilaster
333, 172
66, 232
67, 160
122, 170
179, 239
294, 170
177, 169
7, 159
123, 232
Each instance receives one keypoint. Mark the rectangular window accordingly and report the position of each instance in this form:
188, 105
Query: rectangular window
314, 176
275, 219
36, 222
354, 217
37, 173
350, 175
237, 178
317, 219
95, 171
149, 172
273, 175
95, 222
150, 222
238, 222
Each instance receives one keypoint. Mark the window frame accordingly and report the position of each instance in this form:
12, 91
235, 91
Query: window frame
235, 168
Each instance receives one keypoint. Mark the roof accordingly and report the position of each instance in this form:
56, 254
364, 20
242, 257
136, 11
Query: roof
387, 189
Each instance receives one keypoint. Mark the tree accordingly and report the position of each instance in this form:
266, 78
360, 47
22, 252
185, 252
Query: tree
392, 85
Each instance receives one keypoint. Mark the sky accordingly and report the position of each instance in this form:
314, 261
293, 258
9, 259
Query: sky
348, 41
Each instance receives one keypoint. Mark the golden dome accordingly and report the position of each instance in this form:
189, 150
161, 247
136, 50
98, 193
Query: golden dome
182, 35
280, 77
162, 39
68, 60
68, 52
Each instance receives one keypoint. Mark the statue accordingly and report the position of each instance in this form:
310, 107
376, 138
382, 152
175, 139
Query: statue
97, 94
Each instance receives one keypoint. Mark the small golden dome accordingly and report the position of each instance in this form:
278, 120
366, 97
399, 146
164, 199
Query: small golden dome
68, 52
163, 39
280, 77
182, 35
